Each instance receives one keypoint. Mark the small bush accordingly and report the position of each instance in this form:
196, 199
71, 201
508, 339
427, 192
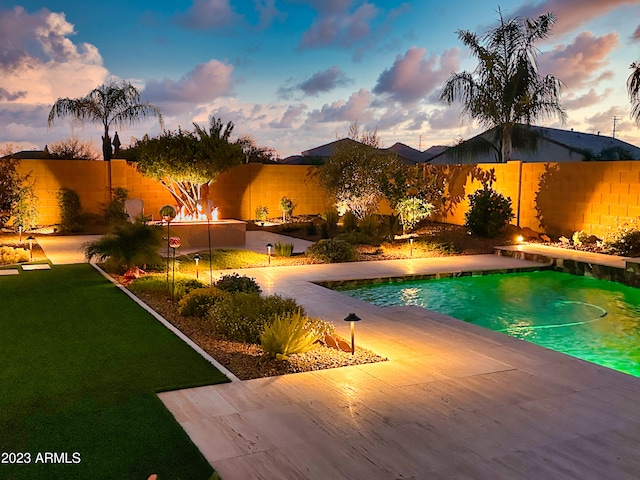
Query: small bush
70, 211
242, 317
286, 207
184, 286
262, 212
580, 237
391, 227
489, 212
114, 213
412, 210
283, 249
355, 237
349, 222
10, 255
624, 241
234, 283
331, 218
199, 301
370, 225
289, 334
332, 250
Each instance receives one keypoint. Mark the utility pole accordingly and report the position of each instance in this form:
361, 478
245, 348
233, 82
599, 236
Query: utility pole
615, 121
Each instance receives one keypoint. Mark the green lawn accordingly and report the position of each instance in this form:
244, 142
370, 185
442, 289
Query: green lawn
80, 364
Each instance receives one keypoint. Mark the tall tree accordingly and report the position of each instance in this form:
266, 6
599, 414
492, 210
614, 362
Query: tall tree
633, 87
115, 103
185, 162
506, 89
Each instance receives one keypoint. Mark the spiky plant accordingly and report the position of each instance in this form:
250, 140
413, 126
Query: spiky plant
130, 245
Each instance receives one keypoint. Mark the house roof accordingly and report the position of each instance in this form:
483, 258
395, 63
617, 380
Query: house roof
553, 145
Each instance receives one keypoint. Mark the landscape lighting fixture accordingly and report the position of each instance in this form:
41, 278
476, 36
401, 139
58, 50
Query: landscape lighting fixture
197, 257
353, 318
269, 246
31, 239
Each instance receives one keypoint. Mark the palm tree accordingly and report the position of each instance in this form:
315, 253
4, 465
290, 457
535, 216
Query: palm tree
115, 103
506, 89
633, 87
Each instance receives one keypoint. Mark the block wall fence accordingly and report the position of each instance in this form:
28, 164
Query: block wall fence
556, 198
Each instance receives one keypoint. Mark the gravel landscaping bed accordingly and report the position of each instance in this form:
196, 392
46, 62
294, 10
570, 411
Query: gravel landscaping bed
248, 361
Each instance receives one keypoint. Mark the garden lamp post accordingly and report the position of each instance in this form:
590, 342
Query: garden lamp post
269, 246
20, 233
167, 213
31, 239
197, 257
411, 247
174, 242
353, 318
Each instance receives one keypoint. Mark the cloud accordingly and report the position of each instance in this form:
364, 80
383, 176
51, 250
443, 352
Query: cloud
336, 25
205, 83
602, 122
319, 82
580, 63
571, 14
590, 98
290, 117
413, 77
267, 12
356, 108
208, 14
39, 62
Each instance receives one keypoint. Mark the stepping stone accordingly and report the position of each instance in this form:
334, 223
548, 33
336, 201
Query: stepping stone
10, 271
37, 266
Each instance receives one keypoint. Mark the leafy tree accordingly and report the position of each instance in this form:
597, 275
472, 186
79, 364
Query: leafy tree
505, 88
359, 174
254, 154
25, 209
115, 103
633, 87
185, 162
73, 148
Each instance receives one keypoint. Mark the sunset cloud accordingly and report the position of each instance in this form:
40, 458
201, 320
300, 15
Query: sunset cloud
203, 84
571, 14
319, 82
582, 62
208, 14
356, 108
413, 77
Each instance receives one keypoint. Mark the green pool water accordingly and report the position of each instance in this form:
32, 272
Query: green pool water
591, 319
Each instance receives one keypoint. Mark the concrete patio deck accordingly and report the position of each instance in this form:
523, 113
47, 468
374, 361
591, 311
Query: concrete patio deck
454, 401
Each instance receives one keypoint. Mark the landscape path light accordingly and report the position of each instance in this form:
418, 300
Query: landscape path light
20, 233
353, 318
174, 242
197, 257
167, 213
269, 246
411, 247
31, 239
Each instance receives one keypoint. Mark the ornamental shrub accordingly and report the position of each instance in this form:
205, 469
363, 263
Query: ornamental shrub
235, 283
10, 255
242, 317
489, 212
624, 241
288, 334
70, 211
412, 210
332, 250
262, 212
283, 249
286, 207
198, 302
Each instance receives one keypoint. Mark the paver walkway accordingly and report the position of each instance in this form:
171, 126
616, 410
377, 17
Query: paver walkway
454, 400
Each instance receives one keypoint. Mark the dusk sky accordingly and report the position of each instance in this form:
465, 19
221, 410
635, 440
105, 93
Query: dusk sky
294, 74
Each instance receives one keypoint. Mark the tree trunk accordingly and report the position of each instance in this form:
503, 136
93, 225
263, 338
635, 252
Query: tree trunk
507, 130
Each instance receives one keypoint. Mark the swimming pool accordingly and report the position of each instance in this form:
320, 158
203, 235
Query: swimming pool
595, 320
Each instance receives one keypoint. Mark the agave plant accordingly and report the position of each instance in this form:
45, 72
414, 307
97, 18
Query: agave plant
130, 245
